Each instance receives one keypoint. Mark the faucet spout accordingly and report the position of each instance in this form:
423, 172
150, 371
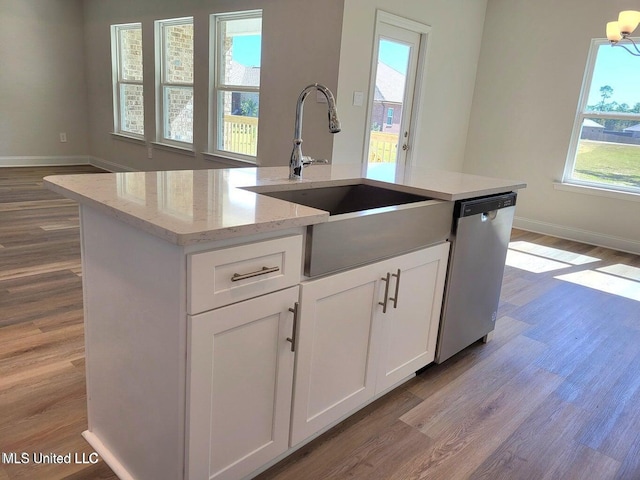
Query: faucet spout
296, 163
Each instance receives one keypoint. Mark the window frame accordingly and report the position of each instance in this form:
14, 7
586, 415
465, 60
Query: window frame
162, 84
216, 84
581, 115
118, 82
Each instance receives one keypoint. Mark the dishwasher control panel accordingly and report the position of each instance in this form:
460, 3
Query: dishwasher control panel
485, 204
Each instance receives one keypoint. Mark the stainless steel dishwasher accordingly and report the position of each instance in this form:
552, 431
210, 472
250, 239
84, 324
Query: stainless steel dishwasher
480, 238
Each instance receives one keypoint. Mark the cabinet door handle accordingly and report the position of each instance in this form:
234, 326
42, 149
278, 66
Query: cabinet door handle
263, 271
395, 298
292, 339
387, 280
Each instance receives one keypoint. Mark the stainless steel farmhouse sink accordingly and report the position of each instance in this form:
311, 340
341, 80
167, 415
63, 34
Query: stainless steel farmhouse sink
366, 223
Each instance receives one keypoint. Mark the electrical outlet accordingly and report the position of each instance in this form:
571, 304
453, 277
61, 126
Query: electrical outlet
149, 151
63, 137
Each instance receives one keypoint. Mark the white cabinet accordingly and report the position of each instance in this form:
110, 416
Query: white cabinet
229, 275
410, 326
240, 374
334, 372
361, 332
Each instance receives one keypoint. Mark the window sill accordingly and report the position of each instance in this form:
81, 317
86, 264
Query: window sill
595, 191
173, 148
231, 161
128, 138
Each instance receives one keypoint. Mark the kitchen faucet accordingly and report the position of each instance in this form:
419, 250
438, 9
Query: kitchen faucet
298, 161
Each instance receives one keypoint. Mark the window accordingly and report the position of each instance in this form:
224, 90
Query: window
236, 45
605, 145
390, 116
175, 47
126, 50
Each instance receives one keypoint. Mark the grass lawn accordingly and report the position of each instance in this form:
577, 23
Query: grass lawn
610, 163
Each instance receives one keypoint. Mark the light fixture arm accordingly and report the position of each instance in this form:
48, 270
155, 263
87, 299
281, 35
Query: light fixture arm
635, 54
621, 30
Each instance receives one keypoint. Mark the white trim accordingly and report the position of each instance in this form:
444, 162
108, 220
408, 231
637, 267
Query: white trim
44, 160
217, 86
173, 148
128, 138
416, 94
597, 191
116, 76
162, 83
402, 22
578, 235
581, 115
110, 166
228, 160
121, 472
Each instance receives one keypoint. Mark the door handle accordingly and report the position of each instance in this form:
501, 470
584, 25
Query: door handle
292, 339
387, 280
395, 298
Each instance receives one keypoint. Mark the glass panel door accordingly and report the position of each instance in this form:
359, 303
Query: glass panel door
391, 101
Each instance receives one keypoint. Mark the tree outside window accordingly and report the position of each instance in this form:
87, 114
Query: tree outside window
605, 146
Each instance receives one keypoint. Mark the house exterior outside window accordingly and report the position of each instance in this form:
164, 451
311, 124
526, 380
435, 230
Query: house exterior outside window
605, 145
174, 39
236, 40
128, 95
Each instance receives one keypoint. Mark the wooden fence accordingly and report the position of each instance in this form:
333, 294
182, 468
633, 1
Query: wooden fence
383, 147
241, 134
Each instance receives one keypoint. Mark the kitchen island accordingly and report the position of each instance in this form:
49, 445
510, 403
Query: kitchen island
209, 352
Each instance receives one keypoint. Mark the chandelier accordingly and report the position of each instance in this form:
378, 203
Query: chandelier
620, 31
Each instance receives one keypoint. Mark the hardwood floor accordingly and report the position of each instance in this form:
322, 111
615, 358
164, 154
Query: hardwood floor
554, 395
42, 385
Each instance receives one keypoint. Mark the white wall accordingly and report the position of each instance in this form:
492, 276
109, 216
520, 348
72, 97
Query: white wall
42, 82
301, 45
529, 78
447, 87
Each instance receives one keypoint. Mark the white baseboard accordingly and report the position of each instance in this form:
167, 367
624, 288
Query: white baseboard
578, 235
56, 161
109, 166
108, 458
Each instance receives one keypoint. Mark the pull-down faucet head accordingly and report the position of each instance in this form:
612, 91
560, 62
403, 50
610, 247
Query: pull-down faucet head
296, 163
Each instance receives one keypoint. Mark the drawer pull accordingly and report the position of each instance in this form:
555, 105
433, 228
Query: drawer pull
386, 281
292, 339
395, 299
263, 271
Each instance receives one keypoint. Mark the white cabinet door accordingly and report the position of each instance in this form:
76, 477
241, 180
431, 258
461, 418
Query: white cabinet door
410, 326
350, 348
334, 370
240, 381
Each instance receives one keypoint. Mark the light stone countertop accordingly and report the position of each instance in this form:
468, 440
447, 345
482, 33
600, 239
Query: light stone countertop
187, 207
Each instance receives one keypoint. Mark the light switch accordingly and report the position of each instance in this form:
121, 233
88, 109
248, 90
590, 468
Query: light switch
358, 99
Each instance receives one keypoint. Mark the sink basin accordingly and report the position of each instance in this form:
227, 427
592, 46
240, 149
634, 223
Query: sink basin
367, 223
343, 199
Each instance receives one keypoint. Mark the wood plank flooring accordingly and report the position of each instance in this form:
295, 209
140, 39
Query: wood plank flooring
42, 385
555, 394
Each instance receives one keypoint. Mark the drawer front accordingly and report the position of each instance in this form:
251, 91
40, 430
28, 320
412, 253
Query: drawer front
229, 275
